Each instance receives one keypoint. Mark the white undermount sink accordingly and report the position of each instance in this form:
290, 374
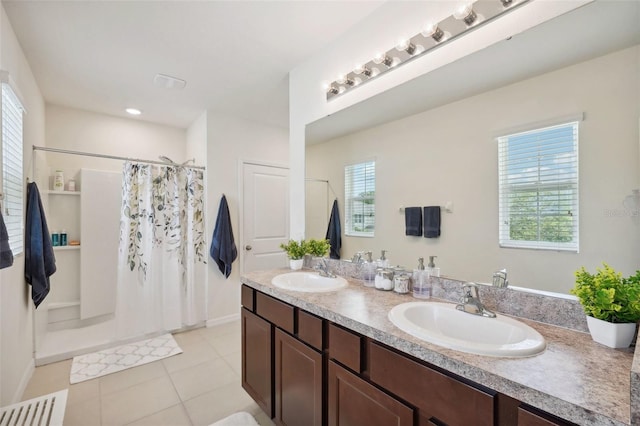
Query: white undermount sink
310, 282
442, 324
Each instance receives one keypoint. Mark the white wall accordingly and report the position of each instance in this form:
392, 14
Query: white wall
16, 335
231, 140
197, 140
79, 130
450, 154
376, 32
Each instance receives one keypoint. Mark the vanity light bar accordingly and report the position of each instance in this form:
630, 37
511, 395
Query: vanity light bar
464, 19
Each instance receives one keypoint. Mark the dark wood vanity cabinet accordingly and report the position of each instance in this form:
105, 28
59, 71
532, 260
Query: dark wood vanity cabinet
257, 359
306, 371
282, 370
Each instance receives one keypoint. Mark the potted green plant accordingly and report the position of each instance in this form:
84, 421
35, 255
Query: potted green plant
318, 248
296, 251
612, 304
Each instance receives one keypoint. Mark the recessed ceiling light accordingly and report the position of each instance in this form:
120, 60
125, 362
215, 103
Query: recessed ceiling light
133, 111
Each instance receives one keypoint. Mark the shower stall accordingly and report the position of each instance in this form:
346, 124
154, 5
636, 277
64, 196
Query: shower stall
83, 311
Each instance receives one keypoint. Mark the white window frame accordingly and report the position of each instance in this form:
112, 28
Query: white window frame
12, 112
555, 170
355, 202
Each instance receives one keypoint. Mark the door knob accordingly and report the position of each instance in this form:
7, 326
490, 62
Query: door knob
248, 248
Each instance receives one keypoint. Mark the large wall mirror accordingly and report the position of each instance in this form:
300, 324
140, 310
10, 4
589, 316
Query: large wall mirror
434, 142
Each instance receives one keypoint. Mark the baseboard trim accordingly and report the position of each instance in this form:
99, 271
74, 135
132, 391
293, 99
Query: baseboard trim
223, 320
24, 381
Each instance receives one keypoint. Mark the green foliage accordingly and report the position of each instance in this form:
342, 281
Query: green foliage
536, 216
318, 248
607, 296
297, 250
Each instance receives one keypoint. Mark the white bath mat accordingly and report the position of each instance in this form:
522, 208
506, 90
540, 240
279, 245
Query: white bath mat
98, 364
238, 419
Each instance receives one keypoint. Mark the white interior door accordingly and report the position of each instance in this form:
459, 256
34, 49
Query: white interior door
265, 216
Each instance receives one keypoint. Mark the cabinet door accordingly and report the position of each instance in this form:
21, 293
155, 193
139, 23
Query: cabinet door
527, 417
298, 382
257, 373
354, 402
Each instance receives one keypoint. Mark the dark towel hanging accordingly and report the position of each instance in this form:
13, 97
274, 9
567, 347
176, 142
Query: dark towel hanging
413, 221
334, 232
432, 222
223, 248
39, 260
6, 256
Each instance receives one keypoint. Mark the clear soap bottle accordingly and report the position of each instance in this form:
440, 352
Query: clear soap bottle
421, 282
368, 271
431, 267
383, 262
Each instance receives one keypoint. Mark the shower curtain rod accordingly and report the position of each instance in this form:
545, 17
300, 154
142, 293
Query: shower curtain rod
324, 181
111, 157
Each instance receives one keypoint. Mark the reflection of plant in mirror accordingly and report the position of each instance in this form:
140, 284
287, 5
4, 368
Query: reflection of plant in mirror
536, 216
607, 296
318, 247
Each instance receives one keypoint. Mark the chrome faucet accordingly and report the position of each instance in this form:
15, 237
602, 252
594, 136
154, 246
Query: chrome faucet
323, 269
470, 302
500, 279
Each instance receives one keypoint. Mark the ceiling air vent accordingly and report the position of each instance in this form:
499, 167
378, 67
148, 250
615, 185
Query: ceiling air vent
168, 82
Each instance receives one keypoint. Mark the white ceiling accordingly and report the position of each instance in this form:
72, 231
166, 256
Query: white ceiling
590, 31
102, 56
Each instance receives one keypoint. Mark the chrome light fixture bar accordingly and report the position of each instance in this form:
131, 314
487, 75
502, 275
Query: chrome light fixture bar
465, 18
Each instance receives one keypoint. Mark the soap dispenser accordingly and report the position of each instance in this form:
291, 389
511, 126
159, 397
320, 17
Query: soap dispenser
433, 270
368, 271
421, 282
383, 262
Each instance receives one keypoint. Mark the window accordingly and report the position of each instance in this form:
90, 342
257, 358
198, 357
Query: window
360, 199
538, 188
12, 182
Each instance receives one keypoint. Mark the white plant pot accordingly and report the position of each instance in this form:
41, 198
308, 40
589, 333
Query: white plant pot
611, 334
296, 264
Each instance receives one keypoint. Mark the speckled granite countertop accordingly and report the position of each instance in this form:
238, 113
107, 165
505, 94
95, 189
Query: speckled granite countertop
574, 378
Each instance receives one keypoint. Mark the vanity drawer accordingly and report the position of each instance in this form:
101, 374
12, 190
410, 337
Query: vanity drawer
345, 347
246, 297
275, 311
439, 397
528, 416
310, 329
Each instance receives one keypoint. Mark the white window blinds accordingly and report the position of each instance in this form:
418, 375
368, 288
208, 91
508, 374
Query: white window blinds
360, 200
12, 181
538, 188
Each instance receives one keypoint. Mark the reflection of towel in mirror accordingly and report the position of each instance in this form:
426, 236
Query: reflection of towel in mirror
413, 221
432, 222
39, 260
334, 232
6, 256
223, 247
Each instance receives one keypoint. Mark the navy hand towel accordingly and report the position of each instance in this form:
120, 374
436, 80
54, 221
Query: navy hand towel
413, 221
223, 248
6, 256
432, 222
39, 260
334, 232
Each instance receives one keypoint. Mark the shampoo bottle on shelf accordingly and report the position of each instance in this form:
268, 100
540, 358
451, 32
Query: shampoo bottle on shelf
368, 271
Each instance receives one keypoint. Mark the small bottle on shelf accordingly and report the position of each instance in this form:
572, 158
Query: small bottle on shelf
55, 239
63, 238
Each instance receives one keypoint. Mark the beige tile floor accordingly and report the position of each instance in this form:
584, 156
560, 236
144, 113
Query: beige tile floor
197, 387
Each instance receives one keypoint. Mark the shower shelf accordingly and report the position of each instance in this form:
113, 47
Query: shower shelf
61, 192
63, 248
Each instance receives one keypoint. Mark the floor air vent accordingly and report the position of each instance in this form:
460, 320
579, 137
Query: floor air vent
47, 410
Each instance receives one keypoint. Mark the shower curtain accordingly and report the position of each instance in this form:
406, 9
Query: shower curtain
161, 281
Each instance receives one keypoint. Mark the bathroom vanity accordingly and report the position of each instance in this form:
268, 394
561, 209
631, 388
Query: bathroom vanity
335, 359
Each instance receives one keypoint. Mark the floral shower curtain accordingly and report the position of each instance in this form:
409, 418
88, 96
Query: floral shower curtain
161, 281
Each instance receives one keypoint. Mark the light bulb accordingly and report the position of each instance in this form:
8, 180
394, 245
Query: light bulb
433, 31
341, 79
133, 111
466, 13
402, 44
374, 72
506, 3
382, 58
362, 69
